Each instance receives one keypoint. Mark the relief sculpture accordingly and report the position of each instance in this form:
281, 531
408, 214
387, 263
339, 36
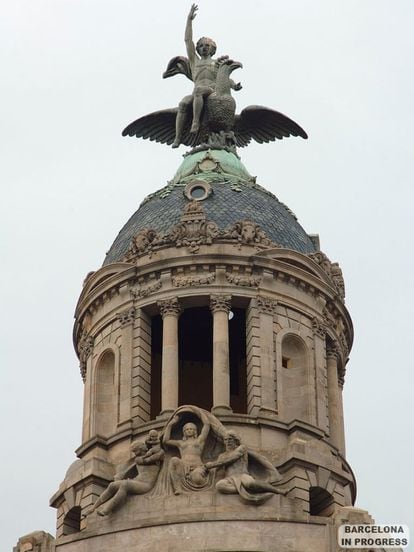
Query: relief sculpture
194, 453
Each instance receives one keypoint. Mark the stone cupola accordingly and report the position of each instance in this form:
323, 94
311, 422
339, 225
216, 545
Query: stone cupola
213, 308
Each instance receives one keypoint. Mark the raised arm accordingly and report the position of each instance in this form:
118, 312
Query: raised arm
206, 428
188, 36
167, 432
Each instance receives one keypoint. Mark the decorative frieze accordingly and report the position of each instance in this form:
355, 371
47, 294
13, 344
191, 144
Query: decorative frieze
143, 291
170, 307
126, 317
195, 230
243, 280
266, 305
196, 280
220, 303
85, 349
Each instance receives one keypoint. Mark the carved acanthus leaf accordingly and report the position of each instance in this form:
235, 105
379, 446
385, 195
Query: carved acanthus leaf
126, 317
169, 307
319, 328
220, 303
85, 349
266, 305
196, 280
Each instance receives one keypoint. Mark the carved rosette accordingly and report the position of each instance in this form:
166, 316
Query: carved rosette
266, 305
319, 328
143, 291
85, 349
220, 303
189, 281
126, 317
170, 307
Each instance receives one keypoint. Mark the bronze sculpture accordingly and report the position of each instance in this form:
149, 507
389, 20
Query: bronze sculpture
207, 118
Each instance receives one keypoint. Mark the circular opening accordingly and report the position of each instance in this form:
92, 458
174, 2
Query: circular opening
198, 192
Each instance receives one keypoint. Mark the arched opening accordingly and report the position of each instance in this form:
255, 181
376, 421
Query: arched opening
295, 387
320, 502
72, 521
237, 348
106, 396
156, 364
195, 336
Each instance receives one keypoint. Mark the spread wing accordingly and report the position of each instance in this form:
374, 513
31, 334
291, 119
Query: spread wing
159, 126
264, 125
178, 65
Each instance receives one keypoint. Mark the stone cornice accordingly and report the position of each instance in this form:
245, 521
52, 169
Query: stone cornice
121, 286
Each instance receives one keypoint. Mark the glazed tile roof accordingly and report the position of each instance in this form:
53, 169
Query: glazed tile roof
228, 203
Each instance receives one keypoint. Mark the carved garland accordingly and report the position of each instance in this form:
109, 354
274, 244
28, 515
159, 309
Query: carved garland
85, 349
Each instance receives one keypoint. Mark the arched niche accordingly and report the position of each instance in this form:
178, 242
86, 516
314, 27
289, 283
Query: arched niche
294, 400
72, 521
320, 502
105, 395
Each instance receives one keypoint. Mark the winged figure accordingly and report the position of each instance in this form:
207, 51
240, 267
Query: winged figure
208, 117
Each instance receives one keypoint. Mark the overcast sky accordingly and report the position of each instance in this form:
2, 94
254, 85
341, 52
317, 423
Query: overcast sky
74, 73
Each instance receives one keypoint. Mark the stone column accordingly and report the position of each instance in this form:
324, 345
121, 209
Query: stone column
267, 308
170, 311
220, 307
334, 400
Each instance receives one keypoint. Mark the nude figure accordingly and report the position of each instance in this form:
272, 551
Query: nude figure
147, 461
203, 72
190, 465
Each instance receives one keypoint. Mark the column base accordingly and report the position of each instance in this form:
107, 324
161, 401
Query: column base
164, 414
221, 410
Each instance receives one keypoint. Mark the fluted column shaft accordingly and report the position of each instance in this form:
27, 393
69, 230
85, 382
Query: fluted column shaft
220, 307
170, 311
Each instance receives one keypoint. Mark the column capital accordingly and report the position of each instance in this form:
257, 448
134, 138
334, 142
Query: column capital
332, 352
85, 349
266, 305
220, 303
170, 307
126, 317
318, 327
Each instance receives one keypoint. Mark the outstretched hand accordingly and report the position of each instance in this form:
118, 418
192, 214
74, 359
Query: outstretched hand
193, 11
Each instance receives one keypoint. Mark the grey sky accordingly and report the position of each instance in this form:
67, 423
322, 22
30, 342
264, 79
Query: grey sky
74, 73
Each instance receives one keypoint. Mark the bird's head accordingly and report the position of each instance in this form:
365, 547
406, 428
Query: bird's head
229, 64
